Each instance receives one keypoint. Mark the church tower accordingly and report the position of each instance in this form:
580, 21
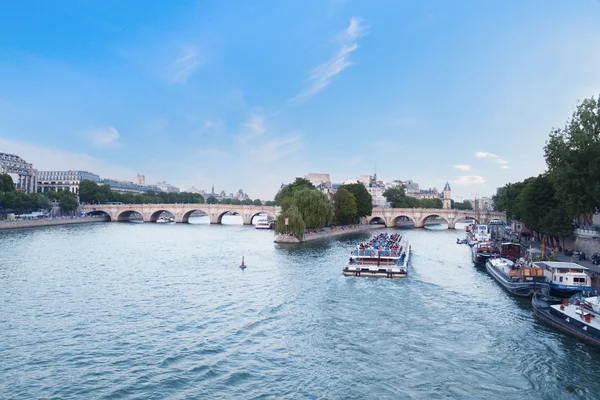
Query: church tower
447, 196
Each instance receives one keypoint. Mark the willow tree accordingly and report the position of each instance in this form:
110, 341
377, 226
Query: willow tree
314, 206
295, 222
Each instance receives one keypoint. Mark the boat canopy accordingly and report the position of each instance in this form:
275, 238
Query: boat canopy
564, 265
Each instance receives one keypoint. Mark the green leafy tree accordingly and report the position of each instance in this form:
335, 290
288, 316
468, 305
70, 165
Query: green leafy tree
396, 197
540, 209
6, 183
573, 159
211, 200
431, 203
68, 201
292, 188
507, 199
314, 206
247, 202
295, 221
257, 202
269, 203
345, 207
226, 201
88, 191
462, 205
364, 200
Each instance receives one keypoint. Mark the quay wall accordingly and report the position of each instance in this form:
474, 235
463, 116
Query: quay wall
580, 243
326, 234
37, 223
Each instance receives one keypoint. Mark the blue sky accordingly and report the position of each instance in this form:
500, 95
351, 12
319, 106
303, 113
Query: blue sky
250, 94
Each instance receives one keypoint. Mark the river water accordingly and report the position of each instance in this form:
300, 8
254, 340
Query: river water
162, 311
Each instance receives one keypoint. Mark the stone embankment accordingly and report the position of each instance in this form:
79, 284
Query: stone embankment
37, 223
326, 233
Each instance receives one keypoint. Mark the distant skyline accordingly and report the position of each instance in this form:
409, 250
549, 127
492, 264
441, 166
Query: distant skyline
254, 94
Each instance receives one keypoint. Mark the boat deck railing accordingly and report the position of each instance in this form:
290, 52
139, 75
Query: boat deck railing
376, 253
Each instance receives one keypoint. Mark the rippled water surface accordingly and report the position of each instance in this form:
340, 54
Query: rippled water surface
151, 311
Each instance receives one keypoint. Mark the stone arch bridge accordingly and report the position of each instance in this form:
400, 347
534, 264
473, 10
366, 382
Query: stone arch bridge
181, 212
391, 216
388, 216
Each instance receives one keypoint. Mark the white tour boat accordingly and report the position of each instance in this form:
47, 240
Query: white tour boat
384, 256
264, 223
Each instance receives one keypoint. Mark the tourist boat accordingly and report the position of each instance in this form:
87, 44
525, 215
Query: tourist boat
384, 256
461, 241
518, 278
579, 316
566, 278
477, 234
482, 251
263, 223
165, 220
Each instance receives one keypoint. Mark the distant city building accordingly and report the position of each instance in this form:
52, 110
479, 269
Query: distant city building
26, 174
374, 187
447, 196
59, 181
193, 189
166, 187
128, 187
484, 203
141, 179
322, 180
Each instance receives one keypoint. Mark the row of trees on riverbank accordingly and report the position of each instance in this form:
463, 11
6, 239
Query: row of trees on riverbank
398, 199
304, 207
570, 189
14, 201
91, 192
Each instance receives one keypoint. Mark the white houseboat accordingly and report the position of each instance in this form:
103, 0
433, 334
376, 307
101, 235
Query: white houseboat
566, 278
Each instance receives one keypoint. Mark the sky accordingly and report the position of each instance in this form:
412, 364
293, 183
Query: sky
251, 94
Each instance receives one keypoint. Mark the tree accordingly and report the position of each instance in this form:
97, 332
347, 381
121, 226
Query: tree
314, 206
257, 202
292, 188
295, 221
269, 203
364, 200
225, 201
345, 207
507, 199
247, 202
396, 197
462, 205
541, 211
573, 160
68, 201
88, 191
235, 202
211, 200
6, 183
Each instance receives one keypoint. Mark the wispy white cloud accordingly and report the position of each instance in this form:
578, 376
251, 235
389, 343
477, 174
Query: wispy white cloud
469, 180
320, 77
497, 159
504, 167
462, 167
277, 148
103, 137
185, 65
252, 129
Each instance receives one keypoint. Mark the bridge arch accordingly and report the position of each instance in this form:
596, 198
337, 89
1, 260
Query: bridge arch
269, 214
155, 215
429, 215
186, 216
404, 221
230, 212
126, 215
100, 214
376, 221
